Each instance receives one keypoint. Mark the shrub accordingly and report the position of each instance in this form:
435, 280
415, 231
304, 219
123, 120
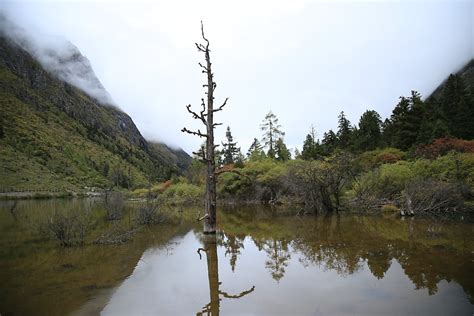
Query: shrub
431, 197
320, 183
149, 214
69, 228
183, 192
389, 208
114, 205
374, 158
444, 145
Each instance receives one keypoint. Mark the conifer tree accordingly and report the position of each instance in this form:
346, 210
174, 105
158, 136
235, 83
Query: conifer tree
457, 107
368, 135
311, 146
344, 132
271, 133
329, 142
229, 150
255, 151
281, 151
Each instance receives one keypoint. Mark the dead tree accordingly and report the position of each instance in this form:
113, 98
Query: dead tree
206, 116
215, 293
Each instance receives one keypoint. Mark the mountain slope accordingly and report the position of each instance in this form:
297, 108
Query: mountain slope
53, 134
466, 74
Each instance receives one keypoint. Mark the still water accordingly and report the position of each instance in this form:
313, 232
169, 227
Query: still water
262, 262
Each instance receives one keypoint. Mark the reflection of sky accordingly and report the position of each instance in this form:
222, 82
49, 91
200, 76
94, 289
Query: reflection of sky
175, 282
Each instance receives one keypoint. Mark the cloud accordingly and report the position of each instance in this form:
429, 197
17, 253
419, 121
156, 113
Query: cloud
59, 57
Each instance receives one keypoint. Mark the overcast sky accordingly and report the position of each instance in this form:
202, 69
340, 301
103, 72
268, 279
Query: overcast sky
304, 60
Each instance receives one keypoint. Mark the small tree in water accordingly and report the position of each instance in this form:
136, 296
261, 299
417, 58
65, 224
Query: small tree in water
206, 116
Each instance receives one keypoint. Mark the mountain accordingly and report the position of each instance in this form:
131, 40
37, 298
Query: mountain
466, 73
59, 128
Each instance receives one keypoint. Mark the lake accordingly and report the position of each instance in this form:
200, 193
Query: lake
262, 262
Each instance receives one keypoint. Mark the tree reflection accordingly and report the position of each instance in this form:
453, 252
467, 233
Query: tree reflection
278, 257
427, 251
232, 245
215, 293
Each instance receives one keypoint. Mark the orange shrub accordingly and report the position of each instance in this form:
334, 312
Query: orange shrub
444, 145
165, 185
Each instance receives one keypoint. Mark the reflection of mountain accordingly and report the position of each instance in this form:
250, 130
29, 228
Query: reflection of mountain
39, 278
427, 251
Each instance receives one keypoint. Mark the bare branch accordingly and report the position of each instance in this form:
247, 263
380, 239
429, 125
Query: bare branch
202, 32
216, 124
195, 115
201, 156
203, 67
231, 170
239, 295
198, 133
203, 104
222, 106
200, 47
199, 252
203, 217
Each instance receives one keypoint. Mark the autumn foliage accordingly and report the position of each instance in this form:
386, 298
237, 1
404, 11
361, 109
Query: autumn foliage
444, 145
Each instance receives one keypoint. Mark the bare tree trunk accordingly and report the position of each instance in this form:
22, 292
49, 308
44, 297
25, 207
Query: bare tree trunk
213, 274
211, 198
215, 294
206, 116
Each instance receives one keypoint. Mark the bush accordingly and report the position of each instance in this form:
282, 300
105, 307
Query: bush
320, 184
444, 145
431, 197
69, 228
389, 208
148, 213
386, 183
375, 158
183, 192
114, 205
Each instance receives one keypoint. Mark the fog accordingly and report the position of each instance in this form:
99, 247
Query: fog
304, 60
58, 56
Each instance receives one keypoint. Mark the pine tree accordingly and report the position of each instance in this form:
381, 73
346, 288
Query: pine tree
311, 146
239, 159
229, 150
281, 151
271, 133
405, 121
457, 107
368, 136
344, 132
329, 142
255, 151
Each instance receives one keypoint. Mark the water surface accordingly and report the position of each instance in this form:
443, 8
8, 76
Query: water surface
260, 263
